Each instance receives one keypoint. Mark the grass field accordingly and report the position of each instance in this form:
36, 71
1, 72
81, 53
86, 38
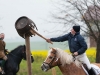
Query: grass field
40, 56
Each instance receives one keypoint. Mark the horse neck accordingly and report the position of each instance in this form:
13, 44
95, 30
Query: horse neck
15, 56
71, 69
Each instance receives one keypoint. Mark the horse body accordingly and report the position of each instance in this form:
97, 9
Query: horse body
71, 69
65, 62
15, 57
11, 68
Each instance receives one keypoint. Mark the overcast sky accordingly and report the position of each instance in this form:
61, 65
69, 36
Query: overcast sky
36, 10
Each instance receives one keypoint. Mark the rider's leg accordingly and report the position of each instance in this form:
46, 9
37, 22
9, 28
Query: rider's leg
84, 59
3, 62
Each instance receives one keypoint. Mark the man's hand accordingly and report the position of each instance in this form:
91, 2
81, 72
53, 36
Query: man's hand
75, 53
49, 41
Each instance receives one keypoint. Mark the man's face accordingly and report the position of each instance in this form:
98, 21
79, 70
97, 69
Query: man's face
2, 36
72, 31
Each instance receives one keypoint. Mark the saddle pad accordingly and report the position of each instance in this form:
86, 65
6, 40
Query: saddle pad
96, 68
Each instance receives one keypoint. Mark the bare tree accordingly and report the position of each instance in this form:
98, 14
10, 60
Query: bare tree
83, 12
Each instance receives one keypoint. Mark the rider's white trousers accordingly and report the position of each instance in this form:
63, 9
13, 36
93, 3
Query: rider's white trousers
84, 59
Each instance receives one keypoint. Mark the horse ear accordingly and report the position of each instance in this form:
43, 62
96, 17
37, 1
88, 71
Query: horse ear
50, 47
53, 49
24, 46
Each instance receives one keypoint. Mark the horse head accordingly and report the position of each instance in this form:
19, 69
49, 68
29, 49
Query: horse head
12, 65
51, 60
20, 53
24, 54
56, 57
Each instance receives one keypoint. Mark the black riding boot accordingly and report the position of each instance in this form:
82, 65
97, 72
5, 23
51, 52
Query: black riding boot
92, 72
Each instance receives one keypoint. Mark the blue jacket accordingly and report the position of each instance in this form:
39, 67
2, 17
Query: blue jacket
76, 42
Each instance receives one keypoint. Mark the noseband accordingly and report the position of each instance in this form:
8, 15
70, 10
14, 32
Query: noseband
50, 63
52, 59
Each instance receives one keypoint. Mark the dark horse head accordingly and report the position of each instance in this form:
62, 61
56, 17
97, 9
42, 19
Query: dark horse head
15, 57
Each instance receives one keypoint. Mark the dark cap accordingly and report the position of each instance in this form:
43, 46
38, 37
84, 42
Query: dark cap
76, 28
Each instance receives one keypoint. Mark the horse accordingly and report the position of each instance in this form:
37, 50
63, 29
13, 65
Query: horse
12, 64
65, 62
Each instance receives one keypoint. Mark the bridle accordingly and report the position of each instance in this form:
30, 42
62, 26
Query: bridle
52, 60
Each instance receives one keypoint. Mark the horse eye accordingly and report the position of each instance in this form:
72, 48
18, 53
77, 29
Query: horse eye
50, 57
23, 51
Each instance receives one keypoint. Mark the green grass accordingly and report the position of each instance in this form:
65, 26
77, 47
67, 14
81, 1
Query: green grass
36, 67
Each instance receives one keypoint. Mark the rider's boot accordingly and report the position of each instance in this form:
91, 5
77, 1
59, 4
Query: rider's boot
92, 72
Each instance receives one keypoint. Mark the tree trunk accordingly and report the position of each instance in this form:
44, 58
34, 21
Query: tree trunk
98, 52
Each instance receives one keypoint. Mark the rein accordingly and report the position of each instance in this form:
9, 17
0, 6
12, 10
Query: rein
73, 57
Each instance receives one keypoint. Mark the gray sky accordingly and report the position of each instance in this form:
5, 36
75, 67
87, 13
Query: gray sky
36, 10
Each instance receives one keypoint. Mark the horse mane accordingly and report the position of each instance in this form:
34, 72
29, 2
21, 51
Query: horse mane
65, 57
17, 48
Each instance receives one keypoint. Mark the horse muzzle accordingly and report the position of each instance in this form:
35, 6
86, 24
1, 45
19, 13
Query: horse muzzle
32, 59
45, 67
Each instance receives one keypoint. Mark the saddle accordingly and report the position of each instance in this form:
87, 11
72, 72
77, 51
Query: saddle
95, 70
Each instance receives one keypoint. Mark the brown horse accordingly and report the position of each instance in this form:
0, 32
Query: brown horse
65, 62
